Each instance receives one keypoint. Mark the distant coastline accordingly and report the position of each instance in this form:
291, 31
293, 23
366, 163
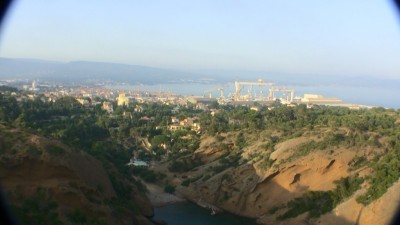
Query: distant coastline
381, 97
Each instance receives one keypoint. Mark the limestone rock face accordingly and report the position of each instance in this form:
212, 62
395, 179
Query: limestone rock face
380, 211
254, 190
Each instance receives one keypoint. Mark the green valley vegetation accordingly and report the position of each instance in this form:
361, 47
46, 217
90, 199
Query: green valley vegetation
148, 135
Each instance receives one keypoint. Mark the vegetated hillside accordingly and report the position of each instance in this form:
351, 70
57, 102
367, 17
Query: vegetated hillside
59, 164
47, 182
281, 165
296, 166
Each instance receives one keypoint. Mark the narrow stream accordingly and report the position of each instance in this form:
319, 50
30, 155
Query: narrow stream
186, 213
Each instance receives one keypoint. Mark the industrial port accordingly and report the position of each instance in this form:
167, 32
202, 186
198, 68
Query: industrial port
236, 93
265, 93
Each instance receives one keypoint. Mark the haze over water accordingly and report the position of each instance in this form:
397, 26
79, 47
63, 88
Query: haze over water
297, 37
378, 96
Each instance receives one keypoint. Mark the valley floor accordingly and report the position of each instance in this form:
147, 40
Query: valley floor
158, 197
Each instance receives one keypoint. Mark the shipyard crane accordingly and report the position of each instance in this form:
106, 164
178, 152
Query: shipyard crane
214, 89
239, 85
221, 89
273, 89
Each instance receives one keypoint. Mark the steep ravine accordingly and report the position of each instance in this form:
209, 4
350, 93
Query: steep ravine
250, 190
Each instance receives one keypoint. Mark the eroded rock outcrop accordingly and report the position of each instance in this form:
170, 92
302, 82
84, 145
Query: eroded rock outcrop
261, 187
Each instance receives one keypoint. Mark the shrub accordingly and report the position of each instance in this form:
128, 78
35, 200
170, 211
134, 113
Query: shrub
122, 189
314, 202
55, 150
206, 177
184, 165
169, 188
357, 162
304, 149
321, 202
266, 161
273, 210
73, 185
219, 138
387, 171
33, 150
146, 174
226, 196
186, 183
37, 209
77, 217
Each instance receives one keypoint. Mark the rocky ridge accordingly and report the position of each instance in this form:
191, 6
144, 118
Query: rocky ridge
261, 181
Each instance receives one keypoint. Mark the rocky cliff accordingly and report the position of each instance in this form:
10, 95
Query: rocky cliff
312, 178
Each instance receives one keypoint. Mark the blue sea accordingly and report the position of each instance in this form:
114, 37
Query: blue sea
372, 96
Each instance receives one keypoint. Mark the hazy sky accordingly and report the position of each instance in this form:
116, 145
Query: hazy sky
347, 37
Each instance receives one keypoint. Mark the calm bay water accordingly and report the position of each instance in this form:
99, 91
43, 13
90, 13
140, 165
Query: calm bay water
373, 96
186, 213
